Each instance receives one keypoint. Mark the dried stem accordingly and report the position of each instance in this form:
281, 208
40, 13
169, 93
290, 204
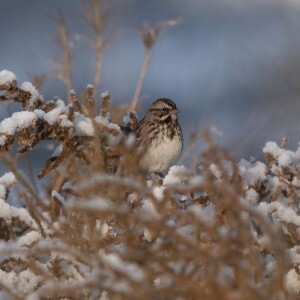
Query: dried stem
96, 17
149, 36
64, 66
105, 102
141, 79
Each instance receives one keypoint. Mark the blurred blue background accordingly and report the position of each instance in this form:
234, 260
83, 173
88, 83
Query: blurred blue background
234, 65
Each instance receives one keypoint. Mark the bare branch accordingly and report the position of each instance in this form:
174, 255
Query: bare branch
64, 67
149, 36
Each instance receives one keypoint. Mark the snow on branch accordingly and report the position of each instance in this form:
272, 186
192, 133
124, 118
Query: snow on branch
50, 120
101, 229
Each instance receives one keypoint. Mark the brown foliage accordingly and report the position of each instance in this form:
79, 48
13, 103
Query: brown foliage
114, 232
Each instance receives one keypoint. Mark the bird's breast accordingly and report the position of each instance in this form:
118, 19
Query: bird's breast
161, 153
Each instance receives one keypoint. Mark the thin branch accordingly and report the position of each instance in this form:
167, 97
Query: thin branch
64, 72
149, 36
96, 17
141, 79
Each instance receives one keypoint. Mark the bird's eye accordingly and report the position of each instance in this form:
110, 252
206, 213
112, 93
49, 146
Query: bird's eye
164, 109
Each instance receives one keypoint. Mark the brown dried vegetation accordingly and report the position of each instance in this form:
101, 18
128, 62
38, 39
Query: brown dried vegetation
101, 229
117, 232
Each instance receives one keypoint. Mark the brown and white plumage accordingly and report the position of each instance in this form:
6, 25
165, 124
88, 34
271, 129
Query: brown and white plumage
159, 136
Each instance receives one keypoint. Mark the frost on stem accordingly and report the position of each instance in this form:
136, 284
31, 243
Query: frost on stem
230, 229
56, 121
34, 94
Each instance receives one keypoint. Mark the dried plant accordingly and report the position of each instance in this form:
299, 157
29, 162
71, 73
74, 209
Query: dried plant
96, 16
64, 66
223, 231
99, 228
38, 79
149, 36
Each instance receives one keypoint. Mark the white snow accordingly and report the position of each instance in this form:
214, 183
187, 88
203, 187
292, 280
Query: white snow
29, 238
292, 282
56, 115
64, 121
7, 77
148, 200
105, 122
252, 173
148, 210
205, 214
3, 140
60, 103
39, 113
104, 296
66, 186
126, 119
271, 266
18, 121
102, 228
176, 175
58, 196
7, 211
273, 183
130, 140
272, 148
264, 242
97, 204
251, 196
52, 116
24, 282
105, 94
196, 181
296, 182
148, 236
284, 157
215, 171
2, 192
163, 282
8, 179
83, 126
129, 269
294, 254
158, 192
28, 87
132, 198
288, 158
23, 215
279, 212
58, 150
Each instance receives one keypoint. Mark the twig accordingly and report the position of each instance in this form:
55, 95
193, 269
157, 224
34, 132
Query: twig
141, 79
64, 72
96, 17
149, 36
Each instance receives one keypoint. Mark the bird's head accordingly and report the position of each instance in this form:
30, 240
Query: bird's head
163, 109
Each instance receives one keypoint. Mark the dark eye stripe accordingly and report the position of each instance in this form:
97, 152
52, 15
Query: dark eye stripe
162, 104
159, 109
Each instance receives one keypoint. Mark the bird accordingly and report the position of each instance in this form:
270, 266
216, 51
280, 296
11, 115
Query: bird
159, 137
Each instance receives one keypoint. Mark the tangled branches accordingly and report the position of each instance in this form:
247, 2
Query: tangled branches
102, 230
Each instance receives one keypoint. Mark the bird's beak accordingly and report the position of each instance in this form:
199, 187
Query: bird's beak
174, 114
